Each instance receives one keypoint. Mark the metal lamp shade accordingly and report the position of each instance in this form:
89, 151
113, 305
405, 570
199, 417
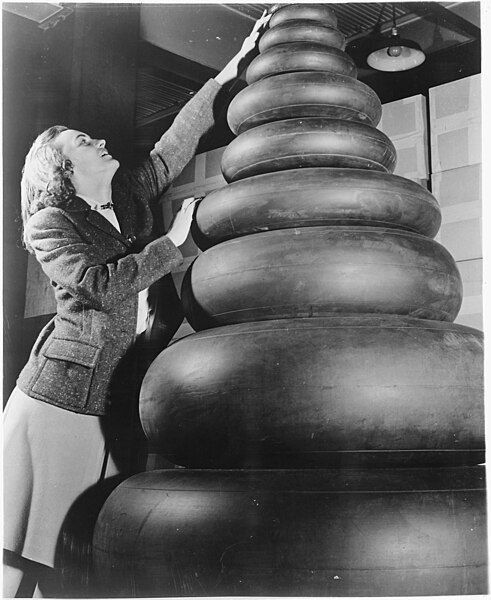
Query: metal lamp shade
396, 54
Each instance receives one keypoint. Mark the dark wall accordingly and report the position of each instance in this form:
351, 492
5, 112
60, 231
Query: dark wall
36, 82
81, 73
103, 90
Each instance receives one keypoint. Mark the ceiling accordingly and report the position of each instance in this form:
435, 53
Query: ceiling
356, 19
164, 86
353, 19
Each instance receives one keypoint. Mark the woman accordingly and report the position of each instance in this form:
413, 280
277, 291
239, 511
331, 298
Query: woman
84, 220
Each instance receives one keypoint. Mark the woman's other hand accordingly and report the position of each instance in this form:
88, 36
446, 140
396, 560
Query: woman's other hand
230, 70
181, 224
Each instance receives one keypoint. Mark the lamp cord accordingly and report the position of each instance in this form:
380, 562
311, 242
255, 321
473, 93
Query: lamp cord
379, 20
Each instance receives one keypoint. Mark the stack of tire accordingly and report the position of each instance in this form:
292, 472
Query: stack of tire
328, 413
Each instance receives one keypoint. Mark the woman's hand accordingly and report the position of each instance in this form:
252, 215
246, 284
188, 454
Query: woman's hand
230, 70
250, 42
179, 230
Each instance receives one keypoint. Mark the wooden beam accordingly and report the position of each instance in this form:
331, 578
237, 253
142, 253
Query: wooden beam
436, 12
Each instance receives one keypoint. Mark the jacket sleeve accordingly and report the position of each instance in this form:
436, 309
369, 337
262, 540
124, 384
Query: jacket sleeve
82, 269
178, 144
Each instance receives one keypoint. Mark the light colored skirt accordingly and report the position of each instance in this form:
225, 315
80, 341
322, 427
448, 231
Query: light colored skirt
51, 457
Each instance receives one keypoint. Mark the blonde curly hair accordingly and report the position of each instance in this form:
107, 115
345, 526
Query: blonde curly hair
46, 176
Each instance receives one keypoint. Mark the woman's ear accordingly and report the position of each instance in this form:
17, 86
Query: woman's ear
67, 165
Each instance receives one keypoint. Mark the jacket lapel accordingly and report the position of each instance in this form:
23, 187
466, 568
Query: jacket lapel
97, 220
104, 225
123, 208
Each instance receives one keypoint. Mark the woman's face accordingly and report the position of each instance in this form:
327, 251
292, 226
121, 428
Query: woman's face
88, 156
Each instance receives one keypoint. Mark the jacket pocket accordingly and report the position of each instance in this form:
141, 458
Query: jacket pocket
66, 372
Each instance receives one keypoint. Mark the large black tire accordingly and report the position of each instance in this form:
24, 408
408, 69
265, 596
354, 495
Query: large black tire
297, 57
368, 391
315, 197
405, 532
319, 271
308, 142
302, 30
309, 94
318, 13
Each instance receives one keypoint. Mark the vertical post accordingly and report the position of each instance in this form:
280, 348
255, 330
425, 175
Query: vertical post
103, 84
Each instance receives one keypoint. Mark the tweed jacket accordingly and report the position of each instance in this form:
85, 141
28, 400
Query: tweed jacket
97, 272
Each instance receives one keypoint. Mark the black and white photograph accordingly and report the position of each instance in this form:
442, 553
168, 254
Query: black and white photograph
243, 300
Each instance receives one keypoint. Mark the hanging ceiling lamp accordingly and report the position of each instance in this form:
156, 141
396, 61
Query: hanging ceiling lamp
394, 53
